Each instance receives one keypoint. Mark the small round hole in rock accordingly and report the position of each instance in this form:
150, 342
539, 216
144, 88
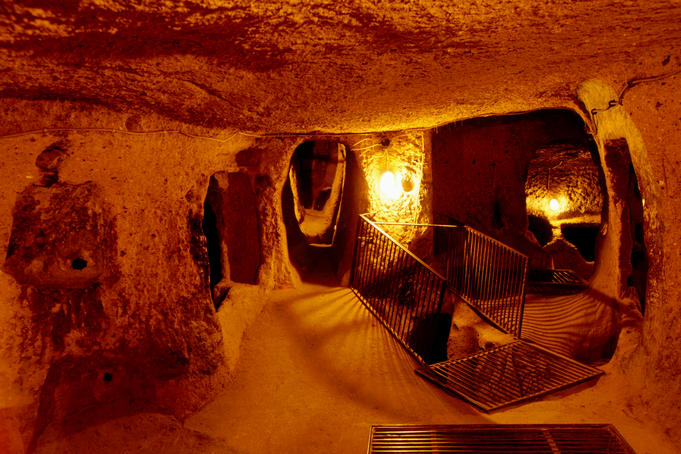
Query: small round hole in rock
79, 264
107, 377
407, 183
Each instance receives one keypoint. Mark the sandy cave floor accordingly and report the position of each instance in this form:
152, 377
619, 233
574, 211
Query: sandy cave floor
316, 371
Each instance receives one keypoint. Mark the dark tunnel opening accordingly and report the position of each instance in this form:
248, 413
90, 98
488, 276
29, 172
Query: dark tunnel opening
210, 230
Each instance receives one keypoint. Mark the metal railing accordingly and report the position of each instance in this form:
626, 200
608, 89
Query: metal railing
489, 276
402, 291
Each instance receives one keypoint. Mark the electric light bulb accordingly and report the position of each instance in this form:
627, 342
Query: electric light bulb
389, 186
554, 205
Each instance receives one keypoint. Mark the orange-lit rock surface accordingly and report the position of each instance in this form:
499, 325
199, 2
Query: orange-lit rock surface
336, 66
147, 100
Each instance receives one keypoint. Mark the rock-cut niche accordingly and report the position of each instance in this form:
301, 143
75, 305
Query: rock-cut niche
565, 196
230, 224
316, 178
321, 199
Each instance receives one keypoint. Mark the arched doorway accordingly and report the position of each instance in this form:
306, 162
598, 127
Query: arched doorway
321, 200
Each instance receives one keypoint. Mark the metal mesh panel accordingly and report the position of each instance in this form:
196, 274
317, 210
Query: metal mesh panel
489, 276
554, 281
508, 374
399, 289
529, 438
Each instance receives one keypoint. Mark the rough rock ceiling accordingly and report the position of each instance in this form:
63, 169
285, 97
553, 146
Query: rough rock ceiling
357, 65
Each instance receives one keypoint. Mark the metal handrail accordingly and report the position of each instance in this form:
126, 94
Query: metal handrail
487, 274
414, 224
414, 256
490, 276
401, 290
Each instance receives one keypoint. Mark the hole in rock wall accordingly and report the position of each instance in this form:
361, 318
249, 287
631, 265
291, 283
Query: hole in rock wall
316, 178
210, 230
534, 181
583, 237
540, 228
633, 259
79, 264
519, 178
565, 188
639, 255
321, 200
230, 224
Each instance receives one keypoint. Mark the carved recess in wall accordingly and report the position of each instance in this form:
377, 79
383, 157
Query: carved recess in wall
61, 250
565, 199
232, 232
317, 177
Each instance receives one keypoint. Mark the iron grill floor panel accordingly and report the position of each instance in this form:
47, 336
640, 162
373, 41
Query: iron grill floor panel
554, 281
507, 375
491, 438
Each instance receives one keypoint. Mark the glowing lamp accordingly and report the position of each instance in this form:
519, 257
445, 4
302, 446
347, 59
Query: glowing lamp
389, 186
554, 205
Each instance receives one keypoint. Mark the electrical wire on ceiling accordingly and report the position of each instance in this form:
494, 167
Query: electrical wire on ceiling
632, 83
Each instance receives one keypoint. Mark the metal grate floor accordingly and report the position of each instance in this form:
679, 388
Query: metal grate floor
552, 281
507, 375
530, 438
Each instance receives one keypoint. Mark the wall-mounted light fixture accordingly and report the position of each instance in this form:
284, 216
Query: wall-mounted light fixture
390, 186
555, 205
390, 182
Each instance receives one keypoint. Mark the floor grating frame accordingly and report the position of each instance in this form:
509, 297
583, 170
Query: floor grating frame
507, 375
498, 438
554, 281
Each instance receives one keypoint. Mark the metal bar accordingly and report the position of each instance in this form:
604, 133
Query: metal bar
521, 312
393, 296
396, 286
491, 277
376, 265
356, 254
508, 374
507, 301
402, 247
363, 245
488, 438
475, 265
381, 275
414, 224
414, 311
403, 269
366, 257
406, 293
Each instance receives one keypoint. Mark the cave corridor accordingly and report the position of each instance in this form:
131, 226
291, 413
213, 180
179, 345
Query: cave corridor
183, 190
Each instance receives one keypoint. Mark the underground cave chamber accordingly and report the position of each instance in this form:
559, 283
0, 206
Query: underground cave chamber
186, 267
494, 177
533, 182
520, 208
